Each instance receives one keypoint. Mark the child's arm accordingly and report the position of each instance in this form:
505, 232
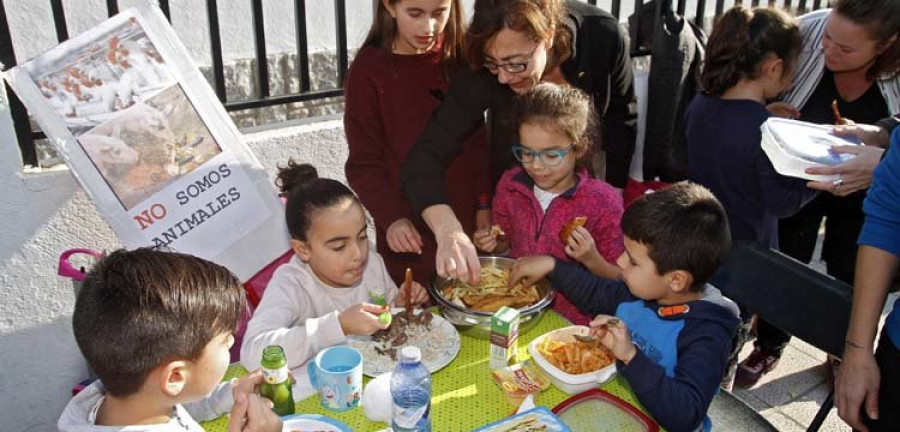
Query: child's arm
502, 217
606, 233
680, 402
487, 242
582, 248
285, 317
592, 294
217, 403
782, 196
251, 413
368, 150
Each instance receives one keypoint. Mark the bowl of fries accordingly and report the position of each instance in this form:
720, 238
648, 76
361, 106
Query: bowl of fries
572, 365
469, 308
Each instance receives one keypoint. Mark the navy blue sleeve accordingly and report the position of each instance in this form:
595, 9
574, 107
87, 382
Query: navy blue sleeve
782, 196
881, 228
680, 403
591, 293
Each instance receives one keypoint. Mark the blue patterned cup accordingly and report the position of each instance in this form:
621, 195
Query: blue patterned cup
336, 373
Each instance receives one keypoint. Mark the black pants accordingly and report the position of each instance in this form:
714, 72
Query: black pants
797, 239
888, 358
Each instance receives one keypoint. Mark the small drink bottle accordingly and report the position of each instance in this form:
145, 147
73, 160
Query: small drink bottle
276, 384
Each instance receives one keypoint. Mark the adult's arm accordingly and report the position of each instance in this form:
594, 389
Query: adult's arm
463, 108
465, 102
368, 149
876, 266
620, 121
858, 383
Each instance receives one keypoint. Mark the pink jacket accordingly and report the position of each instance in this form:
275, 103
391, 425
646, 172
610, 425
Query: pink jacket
532, 232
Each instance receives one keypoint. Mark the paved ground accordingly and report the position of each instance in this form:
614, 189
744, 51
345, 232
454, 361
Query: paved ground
789, 396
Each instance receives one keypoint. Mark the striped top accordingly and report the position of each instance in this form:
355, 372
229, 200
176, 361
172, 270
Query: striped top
811, 66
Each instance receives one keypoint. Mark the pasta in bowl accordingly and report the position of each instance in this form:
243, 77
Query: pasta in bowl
469, 308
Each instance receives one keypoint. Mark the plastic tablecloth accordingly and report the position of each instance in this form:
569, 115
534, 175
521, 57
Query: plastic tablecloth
464, 396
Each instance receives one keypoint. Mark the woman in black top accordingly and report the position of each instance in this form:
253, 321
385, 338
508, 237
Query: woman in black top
851, 55
513, 45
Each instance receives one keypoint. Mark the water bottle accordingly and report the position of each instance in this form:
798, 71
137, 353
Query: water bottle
411, 393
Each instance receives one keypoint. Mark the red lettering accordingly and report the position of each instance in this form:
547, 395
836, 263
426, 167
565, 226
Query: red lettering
148, 217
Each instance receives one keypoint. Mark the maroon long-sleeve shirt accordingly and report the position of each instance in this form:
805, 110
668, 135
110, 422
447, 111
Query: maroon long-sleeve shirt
389, 100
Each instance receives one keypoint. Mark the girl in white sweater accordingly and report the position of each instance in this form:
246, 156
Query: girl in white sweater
328, 289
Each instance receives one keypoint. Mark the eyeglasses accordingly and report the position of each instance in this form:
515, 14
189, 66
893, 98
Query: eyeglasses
510, 67
549, 158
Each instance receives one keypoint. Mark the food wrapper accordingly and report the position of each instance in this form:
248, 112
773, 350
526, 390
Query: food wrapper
520, 380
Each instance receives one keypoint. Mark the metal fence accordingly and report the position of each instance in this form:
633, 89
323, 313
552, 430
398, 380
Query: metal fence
26, 136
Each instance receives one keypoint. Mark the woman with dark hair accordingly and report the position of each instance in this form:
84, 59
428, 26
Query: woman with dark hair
514, 45
851, 57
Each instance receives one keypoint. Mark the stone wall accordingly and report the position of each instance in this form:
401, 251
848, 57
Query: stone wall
241, 84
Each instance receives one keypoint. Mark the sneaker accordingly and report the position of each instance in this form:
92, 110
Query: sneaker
759, 363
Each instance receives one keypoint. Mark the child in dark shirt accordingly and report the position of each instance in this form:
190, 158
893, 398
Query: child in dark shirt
673, 331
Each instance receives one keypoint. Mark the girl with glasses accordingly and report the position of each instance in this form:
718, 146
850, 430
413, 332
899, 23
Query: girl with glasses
512, 46
533, 203
394, 84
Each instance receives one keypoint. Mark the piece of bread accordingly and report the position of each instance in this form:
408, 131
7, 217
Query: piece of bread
570, 226
496, 231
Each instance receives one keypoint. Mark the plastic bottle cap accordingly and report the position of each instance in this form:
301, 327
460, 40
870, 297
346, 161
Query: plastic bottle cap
410, 354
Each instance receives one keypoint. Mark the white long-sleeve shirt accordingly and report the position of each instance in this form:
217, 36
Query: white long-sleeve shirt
300, 312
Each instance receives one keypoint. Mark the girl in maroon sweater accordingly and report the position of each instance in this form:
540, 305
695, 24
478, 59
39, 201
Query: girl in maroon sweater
534, 202
395, 82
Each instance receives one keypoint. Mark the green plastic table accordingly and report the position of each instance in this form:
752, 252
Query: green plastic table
464, 396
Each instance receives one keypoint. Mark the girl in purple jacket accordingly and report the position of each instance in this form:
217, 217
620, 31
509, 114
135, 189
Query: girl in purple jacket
533, 203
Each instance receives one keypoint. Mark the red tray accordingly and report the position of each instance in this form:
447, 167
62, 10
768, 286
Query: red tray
596, 409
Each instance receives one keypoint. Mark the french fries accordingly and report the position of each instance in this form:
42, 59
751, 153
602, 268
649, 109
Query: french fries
575, 357
492, 293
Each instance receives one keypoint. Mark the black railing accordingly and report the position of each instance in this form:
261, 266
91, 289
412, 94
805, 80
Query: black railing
26, 137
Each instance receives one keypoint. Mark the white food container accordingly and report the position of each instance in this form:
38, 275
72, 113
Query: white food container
793, 146
567, 382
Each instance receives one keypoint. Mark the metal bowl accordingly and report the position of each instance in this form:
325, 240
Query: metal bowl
477, 324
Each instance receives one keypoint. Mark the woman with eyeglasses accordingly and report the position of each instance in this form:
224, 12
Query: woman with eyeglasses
512, 46
535, 202
850, 57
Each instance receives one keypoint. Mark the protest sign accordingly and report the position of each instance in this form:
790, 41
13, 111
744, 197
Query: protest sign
144, 134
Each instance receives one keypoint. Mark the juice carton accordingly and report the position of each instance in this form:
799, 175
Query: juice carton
504, 337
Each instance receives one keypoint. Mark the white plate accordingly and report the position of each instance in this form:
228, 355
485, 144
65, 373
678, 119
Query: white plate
313, 422
439, 346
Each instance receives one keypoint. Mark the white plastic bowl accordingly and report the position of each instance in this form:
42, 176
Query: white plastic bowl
564, 381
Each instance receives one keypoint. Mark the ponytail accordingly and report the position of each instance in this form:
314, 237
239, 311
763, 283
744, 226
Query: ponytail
741, 40
307, 193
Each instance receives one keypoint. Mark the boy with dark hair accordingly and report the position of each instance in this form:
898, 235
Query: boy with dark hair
672, 331
156, 327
